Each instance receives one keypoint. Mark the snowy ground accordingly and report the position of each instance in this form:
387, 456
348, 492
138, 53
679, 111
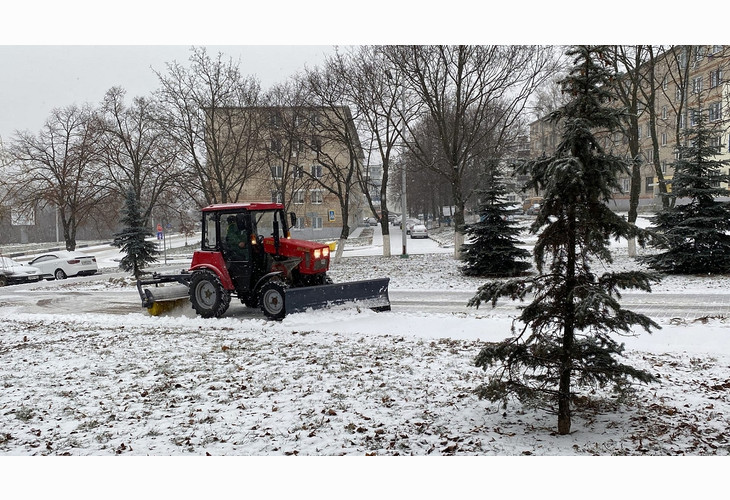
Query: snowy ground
329, 383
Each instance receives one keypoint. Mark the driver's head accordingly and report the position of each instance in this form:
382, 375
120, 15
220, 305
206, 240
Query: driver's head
242, 221
231, 219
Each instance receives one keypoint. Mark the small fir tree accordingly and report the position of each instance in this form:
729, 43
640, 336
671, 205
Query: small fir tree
132, 239
492, 241
696, 228
566, 332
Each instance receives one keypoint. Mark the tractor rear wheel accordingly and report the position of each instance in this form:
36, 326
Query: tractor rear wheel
272, 300
207, 295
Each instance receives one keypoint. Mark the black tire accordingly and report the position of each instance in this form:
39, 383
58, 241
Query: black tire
272, 300
207, 295
3, 280
59, 274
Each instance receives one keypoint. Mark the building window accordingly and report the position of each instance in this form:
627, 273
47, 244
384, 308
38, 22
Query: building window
315, 196
715, 143
664, 139
715, 111
626, 187
276, 197
298, 172
678, 95
298, 197
697, 85
649, 185
694, 117
317, 171
664, 113
277, 171
316, 143
665, 82
715, 78
275, 145
681, 121
274, 120
317, 222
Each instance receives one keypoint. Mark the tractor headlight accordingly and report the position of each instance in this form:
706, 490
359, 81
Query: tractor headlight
325, 251
317, 254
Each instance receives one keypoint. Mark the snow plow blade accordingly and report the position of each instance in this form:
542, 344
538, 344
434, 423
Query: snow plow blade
372, 294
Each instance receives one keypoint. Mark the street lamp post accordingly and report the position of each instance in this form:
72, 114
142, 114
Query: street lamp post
403, 220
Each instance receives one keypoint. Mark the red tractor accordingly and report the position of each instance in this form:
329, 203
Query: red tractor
246, 250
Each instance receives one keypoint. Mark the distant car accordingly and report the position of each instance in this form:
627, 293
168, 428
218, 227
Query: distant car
410, 223
12, 272
62, 264
419, 231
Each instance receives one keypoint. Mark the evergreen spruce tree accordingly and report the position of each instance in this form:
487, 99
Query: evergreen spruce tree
132, 239
696, 228
492, 241
566, 331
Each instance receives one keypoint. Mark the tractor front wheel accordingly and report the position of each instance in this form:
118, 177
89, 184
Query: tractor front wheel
207, 295
272, 300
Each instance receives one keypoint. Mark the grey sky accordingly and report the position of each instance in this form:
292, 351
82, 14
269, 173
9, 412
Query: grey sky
38, 78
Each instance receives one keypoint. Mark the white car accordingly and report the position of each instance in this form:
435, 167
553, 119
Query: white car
62, 264
12, 272
419, 231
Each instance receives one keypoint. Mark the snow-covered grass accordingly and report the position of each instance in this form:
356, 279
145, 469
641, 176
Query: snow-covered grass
338, 382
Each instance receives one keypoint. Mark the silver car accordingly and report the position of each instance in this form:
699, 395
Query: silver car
12, 272
419, 231
62, 264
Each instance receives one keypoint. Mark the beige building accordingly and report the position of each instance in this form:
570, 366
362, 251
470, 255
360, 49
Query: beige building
680, 97
303, 158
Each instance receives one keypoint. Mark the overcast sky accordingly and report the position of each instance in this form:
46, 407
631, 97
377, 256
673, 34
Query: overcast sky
35, 79
54, 54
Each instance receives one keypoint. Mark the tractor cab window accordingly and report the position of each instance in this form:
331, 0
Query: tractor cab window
210, 235
267, 223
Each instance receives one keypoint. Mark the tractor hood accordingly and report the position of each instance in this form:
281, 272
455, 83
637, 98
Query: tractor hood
315, 257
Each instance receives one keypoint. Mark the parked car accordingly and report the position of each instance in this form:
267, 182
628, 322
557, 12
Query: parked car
62, 264
419, 231
410, 223
12, 272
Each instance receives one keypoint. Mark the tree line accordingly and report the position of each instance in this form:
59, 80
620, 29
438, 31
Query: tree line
443, 110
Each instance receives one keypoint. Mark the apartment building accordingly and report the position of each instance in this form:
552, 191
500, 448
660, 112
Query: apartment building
303, 158
688, 81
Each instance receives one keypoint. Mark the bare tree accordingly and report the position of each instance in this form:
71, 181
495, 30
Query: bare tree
629, 62
289, 133
380, 100
59, 167
202, 112
335, 142
470, 92
136, 150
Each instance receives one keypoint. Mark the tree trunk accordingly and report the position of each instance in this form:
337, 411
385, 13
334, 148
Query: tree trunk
566, 358
386, 244
632, 247
340, 248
